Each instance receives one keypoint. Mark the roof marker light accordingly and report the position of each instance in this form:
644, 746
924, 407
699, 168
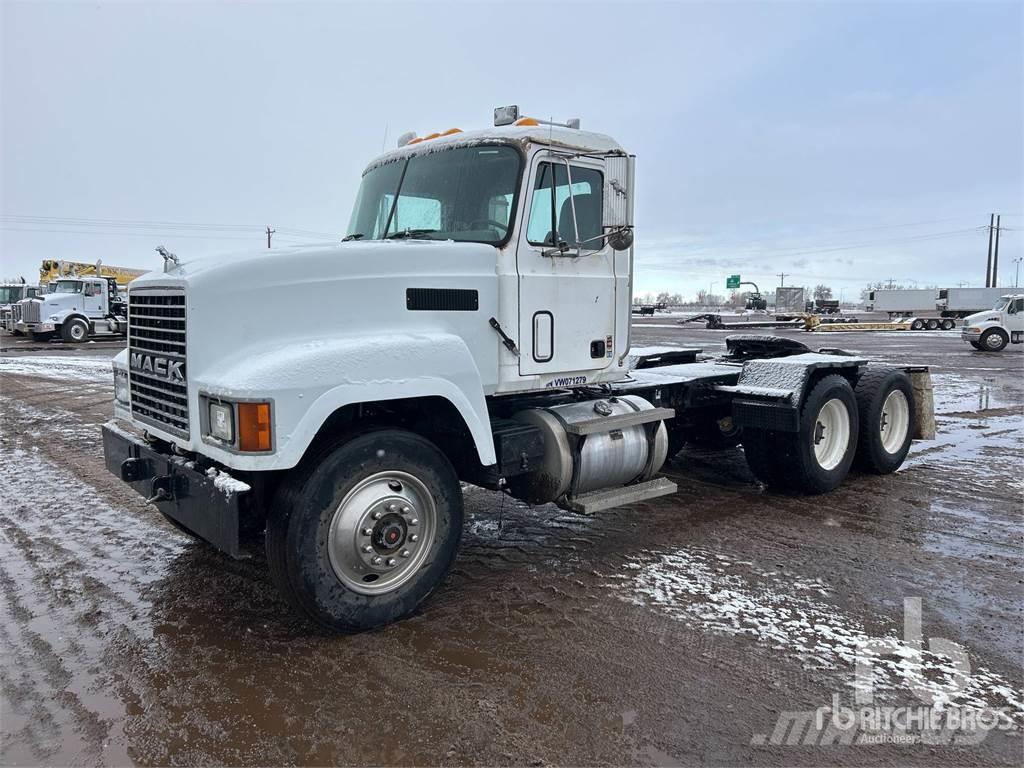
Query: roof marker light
526, 121
450, 131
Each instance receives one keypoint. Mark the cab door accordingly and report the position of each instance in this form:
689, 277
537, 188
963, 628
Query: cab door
566, 270
93, 298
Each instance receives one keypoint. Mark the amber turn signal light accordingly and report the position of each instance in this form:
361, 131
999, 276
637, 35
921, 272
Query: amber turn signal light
254, 426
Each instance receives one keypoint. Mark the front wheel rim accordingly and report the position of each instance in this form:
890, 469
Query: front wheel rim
381, 532
77, 332
831, 434
894, 421
993, 341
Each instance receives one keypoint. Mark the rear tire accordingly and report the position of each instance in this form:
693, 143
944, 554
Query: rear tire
994, 340
885, 404
817, 458
948, 324
75, 331
932, 325
391, 491
917, 325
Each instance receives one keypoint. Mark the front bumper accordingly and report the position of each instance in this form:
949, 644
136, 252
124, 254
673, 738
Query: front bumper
970, 334
209, 509
39, 327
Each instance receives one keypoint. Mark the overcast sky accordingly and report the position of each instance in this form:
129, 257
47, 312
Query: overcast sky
836, 142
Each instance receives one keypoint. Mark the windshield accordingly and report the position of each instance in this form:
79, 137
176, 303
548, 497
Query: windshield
465, 193
67, 286
10, 294
1001, 303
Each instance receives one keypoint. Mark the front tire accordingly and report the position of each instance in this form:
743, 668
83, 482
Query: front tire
994, 340
75, 331
816, 458
885, 404
359, 537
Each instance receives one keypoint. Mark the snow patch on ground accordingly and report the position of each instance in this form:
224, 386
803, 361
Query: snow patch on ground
91, 369
716, 594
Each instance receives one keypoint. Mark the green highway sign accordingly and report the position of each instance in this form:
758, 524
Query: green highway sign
733, 281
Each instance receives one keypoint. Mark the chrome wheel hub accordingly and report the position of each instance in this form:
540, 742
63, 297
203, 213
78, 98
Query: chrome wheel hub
380, 533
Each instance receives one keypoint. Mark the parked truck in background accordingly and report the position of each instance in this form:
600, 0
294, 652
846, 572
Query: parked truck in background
993, 329
902, 302
81, 301
10, 294
75, 309
472, 326
961, 302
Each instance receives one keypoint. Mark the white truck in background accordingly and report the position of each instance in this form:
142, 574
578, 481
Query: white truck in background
75, 309
473, 325
10, 294
993, 329
81, 301
961, 302
914, 304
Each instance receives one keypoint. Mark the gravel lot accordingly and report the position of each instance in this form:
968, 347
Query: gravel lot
674, 631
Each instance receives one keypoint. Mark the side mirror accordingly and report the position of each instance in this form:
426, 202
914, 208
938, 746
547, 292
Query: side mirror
618, 200
621, 239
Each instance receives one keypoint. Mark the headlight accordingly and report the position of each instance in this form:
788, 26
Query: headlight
54, 318
222, 422
121, 390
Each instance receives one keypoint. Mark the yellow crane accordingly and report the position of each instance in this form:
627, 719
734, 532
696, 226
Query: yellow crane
51, 269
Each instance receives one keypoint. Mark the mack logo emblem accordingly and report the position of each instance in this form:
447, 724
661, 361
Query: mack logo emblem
161, 367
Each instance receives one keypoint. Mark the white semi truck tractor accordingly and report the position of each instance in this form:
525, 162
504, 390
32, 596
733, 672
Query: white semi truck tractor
993, 329
473, 325
75, 309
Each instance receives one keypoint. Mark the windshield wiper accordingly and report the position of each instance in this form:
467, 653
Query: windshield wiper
412, 233
354, 236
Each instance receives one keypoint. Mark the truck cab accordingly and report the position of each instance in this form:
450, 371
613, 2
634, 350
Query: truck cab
993, 329
473, 326
75, 309
10, 295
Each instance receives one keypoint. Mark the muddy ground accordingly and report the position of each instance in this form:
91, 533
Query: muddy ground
675, 631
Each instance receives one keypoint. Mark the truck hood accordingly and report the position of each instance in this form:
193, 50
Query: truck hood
246, 303
985, 316
308, 262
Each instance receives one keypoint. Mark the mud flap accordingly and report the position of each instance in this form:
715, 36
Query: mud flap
180, 492
924, 404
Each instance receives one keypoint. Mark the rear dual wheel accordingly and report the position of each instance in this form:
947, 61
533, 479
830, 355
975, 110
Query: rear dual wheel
817, 457
361, 536
885, 405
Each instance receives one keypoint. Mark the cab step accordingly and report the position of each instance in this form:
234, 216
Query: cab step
607, 498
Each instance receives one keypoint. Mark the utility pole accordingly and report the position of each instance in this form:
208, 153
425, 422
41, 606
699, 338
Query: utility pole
995, 257
782, 279
891, 281
269, 233
1016, 277
988, 263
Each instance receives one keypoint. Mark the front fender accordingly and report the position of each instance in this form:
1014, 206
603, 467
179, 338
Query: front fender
309, 381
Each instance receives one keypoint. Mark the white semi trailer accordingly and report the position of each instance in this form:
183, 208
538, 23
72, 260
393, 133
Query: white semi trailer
961, 302
473, 325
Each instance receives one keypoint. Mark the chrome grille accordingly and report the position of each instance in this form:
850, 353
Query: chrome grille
156, 342
30, 311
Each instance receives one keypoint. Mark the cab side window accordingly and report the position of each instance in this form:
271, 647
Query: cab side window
1017, 305
91, 289
551, 208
